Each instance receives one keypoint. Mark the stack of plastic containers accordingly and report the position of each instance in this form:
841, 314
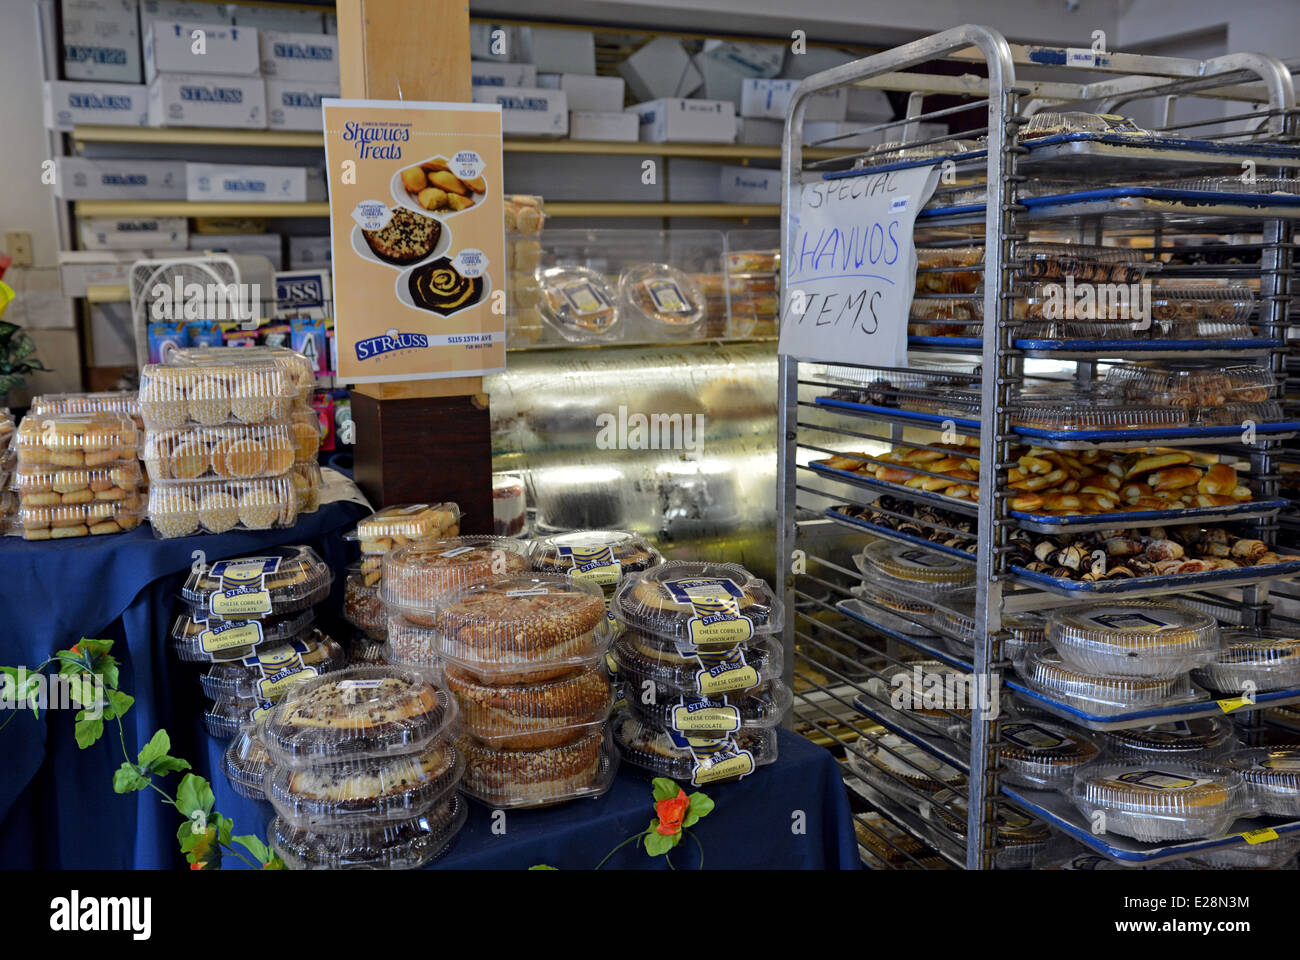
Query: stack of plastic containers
1253, 661
7, 500
907, 578
1160, 802
77, 475
363, 771
701, 670
225, 431
604, 557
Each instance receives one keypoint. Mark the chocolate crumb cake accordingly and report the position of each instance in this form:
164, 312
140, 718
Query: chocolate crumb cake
407, 238
518, 778
403, 845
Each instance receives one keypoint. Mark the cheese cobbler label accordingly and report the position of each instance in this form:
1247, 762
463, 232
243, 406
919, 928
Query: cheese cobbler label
1032, 736
219, 635
716, 604
716, 759
595, 563
710, 716
724, 672
372, 214
243, 590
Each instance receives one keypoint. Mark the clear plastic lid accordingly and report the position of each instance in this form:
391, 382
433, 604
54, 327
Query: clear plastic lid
692, 760
1014, 828
1188, 300
1237, 184
509, 505
306, 433
913, 569
361, 604
1162, 800
1024, 631
299, 367
275, 582
1054, 124
246, 387
753, 261
403, 522
246, 764
528, 626
531, 715
1043, 755
200, 640
267, 673
602, 556
702, 604
654, 666
69, 518
419, 576
1095, 414
928, 696
693, 715
184, 508
510, 778
943, 318
1201, 738
46, 486
359, 713
1253, 661
900, 759
364, 651
1272, 776
1134, 638
663, 299
115, 401
6, 428
308, 482
226, 717
1086, 263
1047, 673
892, 151
83, 440
412, 644
1193, 386
237, 452
578, 303
357, 794
402, 845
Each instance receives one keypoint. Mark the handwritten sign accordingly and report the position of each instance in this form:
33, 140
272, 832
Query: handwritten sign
851, 269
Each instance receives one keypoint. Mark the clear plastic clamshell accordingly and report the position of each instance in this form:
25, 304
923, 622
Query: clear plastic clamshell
525, 627
1235, 184
886, 760
78, 517
6, 429
1025, 632
653, 666
39, 485
267, 673
1094, 413
578, 303
1201, 738
1020, 837
1137, 638
400, 523
1253, 661
693, 715
531, 715
1161, 801
1192, 386
701, 604
247, 763
928, 696
1043, 755
114, 401
359, 794
200, 640
80, 440
948, 270
359, 713
419, 576
1048, 674
412, 644
402, 845
235, 452
184, 508
308, 482
663, 301
306, 428
361, 604
583, 766
248, 387
299, 367
602, 556
1272, 776
278, 581
1085, 263
913, 570
693, 760
1055, 124
226, 717
753, 261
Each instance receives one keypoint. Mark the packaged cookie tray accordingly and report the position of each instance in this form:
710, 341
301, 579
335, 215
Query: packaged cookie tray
114, 401
242, 452
184, 508
602, 556
512, 778
532, 715
1272, 776
1104, 415
267, 673
696, 761
696, 716
67, 520
1044, 672
648, 663
284, 579
212, 395
204, 641
1163, 801
418, 576
36, 485
77, 439
1252, 660
308, 482
246, 764
298, 366
1201, 739
402, 845
698, 604
399, 523
361, 794
1133, 638
226, 717
1193, 385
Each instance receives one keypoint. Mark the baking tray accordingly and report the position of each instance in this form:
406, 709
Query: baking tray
895, 413
1241, 576
1101, 153
940, 747
860, 611
968, 507
1152, 349
909, 819
1042, 523
889, 534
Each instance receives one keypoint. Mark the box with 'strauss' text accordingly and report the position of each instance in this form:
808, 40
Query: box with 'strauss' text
295, 104
528, 113
243, 183
182, 100
300, 56
68, 103
101, 40
673, 120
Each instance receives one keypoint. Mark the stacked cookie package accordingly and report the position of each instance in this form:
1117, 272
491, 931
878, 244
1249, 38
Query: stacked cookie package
362, 769
8, 502
701, 669
230, 439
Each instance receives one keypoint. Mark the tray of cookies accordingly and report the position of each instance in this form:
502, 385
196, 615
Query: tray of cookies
246, 386
532, 714
418, 576
1272, 776
698, 604
246, 764
694, 760
267, 673
579, 304
200, 640
1133, 638
1200, 738
235, 452
1165, 801
276, 582
654, 667
396, 525
299, 366
661, 302
86, 518
112, 401
1253, 660
510, 778
84, 440
603, 556
402, 845
182, 508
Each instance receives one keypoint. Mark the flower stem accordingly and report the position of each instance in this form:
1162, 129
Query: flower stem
698, 844
631, 839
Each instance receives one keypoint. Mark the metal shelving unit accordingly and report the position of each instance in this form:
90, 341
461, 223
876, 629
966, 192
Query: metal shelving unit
856, 645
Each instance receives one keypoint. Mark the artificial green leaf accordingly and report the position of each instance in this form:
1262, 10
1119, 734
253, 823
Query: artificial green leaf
118, 704
107, 667
224, 826
542, 866
664, 788
157, 746
193, 794
701, 806
191, 841
656, 844
274, 863
88, 729
166, 765
255, 846
127, 779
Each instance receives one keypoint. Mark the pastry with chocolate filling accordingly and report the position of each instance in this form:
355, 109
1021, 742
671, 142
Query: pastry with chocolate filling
440, 287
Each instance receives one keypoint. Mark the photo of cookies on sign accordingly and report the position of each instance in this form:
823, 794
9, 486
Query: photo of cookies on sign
430, 185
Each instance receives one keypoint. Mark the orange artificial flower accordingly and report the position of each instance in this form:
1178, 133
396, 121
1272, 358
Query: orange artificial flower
672, 812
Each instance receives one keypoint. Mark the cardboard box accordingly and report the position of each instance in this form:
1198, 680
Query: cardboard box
300, 56
583, 177
101, 40
177, 11
169, 47
502, 74
295, 105
589, 125
527, 112
553, 50
673, 120
79, 178
184, 100
750, 185
771, 98
132, 233
497, 43
592, 94
282, 19
746, 59
756, 130
661, 68
694, 181
269, 245
721, 82
68, 103
81, 269
244, 183
308, 252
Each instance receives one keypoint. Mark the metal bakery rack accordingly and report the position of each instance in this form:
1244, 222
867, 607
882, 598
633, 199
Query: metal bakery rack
1209, 188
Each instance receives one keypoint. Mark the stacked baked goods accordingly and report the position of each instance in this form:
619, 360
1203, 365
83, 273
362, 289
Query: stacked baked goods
753, 292
379, 533
909, 579
524, 658
362, 771
524, 218
225, 429
604, 557
701, 671
8, 502
77, 475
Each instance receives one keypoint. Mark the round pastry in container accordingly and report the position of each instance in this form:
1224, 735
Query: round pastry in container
1048, 674
507, 778
414, 646
696, 761
662, 302
1020, 837
275, 582
362, 606
1160, 801
927, 696
1272, 776
888, 760
1024, 632
578, 304
268, 673
402, 845
1134, 638
1253, 661
653, 666
531, 715
417, 576
359, 713
714, 717
247, 763
525, 628
201, 641
356, 794
905, 577
698, 604
1043, 756
603, 556
226, 717
1202, 739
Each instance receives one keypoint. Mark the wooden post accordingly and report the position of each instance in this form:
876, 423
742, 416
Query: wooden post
422, 439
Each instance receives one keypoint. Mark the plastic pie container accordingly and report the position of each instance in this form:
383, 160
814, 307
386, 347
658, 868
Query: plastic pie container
184, 508
246, 764
652, 665
1161, 801
1020, 838
89, 440
530, 715
1193, 385
603, 556
419, 576
1201, 739
1272, 776
1095, 415
1046, 673
692, 760
579, 304
696, 716
662, 301
927, 696
912, 618
1043, 756
507, 778
267, 673
698, 604
360, 713
199, 641
1253, 661
887, 759
402, 845
1133, 639
235, 452
912, 572
276, 582
226, 717
1024, 632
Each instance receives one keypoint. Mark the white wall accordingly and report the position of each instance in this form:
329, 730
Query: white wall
1252, 26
